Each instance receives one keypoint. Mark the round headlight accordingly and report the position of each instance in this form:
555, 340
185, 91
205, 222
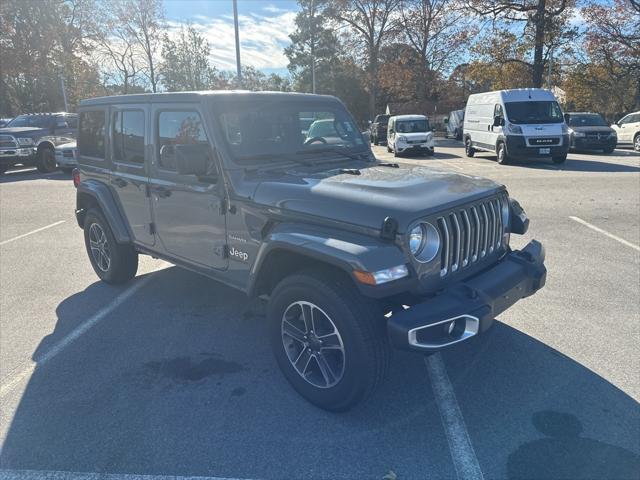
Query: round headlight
424, 242
416, 239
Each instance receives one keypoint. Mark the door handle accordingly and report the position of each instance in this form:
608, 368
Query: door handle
118, 182
162, 192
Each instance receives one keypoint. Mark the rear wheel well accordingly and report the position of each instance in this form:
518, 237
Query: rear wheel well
84, 203
282, 263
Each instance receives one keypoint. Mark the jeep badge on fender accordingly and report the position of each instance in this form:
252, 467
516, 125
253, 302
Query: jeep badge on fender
355, 256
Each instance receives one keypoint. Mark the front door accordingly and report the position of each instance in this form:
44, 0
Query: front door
188, 215
129, 177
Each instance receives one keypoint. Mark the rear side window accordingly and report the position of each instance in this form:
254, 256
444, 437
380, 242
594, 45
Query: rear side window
177, 128
91, 135
128, 136
72, 121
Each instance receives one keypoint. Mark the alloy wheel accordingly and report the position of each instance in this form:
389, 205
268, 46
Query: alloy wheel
313, 344
99, 247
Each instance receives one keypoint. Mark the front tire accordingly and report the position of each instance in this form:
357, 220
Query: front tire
113, 262
609, 150
327, 339
501, 153
469, 151
46, 161
559, 160
636, 142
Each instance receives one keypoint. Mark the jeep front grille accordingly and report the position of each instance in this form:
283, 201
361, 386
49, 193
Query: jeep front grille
470, 234
7, 141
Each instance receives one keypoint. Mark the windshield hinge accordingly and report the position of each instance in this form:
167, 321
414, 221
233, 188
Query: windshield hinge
389, 228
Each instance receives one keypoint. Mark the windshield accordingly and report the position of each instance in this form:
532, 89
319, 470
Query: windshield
273, 131
38, 121
534, 112
412, 126
587, 120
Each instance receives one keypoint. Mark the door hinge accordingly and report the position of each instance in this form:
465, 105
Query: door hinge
152, 228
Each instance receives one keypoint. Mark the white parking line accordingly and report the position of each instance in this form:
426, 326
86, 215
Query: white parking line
56, 475
31, 232
73, 336
463, 455
604, 232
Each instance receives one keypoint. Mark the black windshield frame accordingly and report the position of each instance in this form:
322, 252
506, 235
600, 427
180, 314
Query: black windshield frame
534, 112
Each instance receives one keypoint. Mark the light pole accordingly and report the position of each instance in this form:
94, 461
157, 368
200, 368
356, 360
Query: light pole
235, 23
313, 47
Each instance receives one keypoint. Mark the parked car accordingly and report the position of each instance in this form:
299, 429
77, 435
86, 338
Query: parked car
30, 140
4, 122
455, 124
378, 129
66, 156
628, 130
409, 133
589, 131
353, 255
525, 123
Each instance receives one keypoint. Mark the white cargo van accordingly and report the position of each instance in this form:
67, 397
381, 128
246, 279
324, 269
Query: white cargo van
409, 133
526, 123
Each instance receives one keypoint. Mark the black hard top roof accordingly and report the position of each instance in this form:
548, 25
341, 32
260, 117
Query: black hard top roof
197, 96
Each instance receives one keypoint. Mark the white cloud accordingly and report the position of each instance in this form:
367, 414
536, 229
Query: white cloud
262, 38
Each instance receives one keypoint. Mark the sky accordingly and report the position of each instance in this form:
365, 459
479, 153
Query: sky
265, 26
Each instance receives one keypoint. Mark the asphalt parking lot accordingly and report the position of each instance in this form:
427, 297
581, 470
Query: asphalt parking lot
171, 375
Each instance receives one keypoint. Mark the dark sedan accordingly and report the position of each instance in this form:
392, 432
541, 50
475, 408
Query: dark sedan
589, 131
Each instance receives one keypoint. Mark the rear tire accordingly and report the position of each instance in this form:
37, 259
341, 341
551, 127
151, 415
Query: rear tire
559, 160
113, 262
609, 150
46, 161
469, 151
352, 358
501, 152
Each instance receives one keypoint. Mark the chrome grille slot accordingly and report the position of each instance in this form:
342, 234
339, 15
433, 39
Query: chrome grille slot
8, 141
470, 234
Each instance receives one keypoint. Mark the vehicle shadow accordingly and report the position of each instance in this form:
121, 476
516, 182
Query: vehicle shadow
180, 380
24, 175
575, 165
534, 413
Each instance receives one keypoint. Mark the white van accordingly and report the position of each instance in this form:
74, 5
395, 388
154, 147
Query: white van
409, 133
516, 124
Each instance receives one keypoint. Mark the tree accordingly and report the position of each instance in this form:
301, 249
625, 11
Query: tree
538, 17
370, 23
613, 42
438, 31
186, 61
144, 20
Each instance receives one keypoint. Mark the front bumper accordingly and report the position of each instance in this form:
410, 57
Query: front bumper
66, 162
415, 147
586, 143
469, 307
11, 156
518, 148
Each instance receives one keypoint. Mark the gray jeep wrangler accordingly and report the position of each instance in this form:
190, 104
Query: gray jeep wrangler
355, 256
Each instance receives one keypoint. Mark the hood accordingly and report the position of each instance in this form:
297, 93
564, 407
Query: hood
541, 130
66, 146
23, 131
406, 193
597, 129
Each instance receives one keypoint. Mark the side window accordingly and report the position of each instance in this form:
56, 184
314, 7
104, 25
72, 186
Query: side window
128, 136
91, 134
177, 128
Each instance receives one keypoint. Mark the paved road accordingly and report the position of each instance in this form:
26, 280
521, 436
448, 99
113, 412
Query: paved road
171, 374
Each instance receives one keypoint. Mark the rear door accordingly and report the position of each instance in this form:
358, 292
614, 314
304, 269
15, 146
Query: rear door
188, 211
130, 177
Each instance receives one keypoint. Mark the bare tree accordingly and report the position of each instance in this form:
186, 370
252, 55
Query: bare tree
370, 22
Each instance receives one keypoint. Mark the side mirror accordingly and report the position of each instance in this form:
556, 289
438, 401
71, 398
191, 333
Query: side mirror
369, 122
192, 159
566, 118
497, 121
446, 121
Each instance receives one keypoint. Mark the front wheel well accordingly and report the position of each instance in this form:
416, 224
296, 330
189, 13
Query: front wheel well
281, 263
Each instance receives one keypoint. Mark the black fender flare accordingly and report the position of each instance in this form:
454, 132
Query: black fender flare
345, 250
103, 197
